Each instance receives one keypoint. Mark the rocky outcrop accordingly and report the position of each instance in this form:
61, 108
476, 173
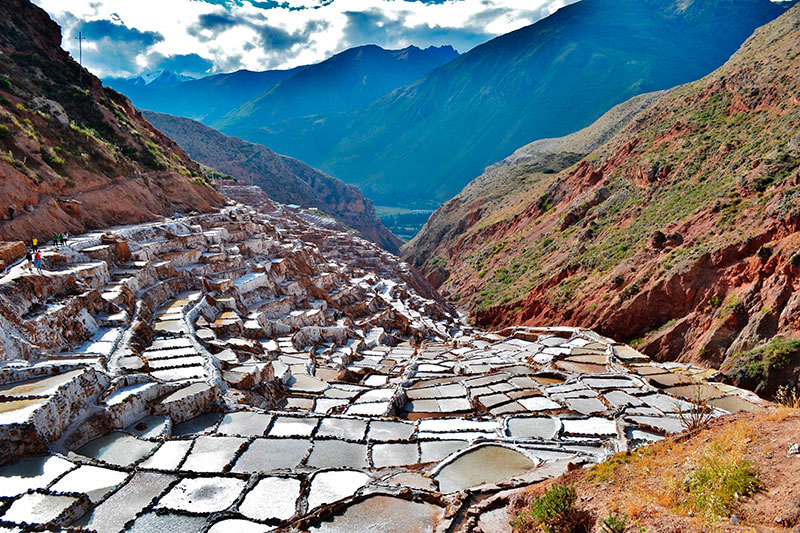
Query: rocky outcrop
284, 179
680, 232
76, 155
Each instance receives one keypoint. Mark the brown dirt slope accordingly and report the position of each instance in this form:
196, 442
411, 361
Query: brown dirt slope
73, 154
681, 233
284, 179
650, 484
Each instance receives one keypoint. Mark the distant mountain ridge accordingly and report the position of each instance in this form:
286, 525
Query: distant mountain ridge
283, 179
205, 99
154, 80
419, 145
345, 82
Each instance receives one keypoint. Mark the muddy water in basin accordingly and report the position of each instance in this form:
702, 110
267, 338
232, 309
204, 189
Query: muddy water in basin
486, 464
384, 514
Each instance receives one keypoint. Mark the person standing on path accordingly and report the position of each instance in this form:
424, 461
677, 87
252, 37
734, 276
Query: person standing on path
37, 262
29, 259
35, 243
11, 210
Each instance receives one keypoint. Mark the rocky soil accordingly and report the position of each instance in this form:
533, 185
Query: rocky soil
680, 233
73, 154
644, 488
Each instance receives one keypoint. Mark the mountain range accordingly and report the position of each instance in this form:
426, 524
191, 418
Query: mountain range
420, 144
678, 231
344, 82
205, 99
153, 80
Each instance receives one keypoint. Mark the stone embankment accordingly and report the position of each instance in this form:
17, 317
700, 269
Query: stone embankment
249, 369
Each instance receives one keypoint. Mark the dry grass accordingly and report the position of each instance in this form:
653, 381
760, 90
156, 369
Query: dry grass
701, 477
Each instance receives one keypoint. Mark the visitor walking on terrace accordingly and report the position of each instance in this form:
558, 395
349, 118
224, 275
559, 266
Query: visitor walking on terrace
37, 262
55, 240
35, 243
11, 210
64, 238
28, 259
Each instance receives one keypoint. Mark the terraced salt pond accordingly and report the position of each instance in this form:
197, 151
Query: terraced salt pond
483, 464
271, 374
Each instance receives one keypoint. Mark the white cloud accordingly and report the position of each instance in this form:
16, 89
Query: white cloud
234, 34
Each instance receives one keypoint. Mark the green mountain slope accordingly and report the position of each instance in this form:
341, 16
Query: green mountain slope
681, 233
421, 144
284, 179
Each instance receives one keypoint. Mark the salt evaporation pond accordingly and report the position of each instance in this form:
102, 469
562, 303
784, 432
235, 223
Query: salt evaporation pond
485, 464
273, 498
384, 514
117, 448
328, 487
31, 473
37, 508
126, 503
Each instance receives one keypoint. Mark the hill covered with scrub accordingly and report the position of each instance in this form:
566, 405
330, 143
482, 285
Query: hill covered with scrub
75, 155
681, 233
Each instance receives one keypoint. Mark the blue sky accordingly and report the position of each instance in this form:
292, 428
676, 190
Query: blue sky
200, 37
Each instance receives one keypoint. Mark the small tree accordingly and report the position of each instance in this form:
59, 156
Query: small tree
698, 413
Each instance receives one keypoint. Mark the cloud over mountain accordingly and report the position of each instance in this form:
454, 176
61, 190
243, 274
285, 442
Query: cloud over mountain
197, 37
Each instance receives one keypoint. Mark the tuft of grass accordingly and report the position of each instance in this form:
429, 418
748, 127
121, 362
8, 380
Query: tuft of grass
615, 523
787, 396
49, 156
719, 481
604, 471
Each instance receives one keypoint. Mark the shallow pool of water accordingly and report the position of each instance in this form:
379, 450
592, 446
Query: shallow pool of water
485, 464
384, 514
117, 449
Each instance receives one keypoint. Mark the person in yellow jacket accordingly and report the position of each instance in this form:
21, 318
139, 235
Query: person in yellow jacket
35, 243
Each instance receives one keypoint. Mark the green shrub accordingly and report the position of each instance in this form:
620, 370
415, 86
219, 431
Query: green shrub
5, 131
49, 157
777, 354
554, 512
6, 85
615, 523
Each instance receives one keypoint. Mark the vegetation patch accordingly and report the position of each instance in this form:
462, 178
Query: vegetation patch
554, 512
776, 355
718, 482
